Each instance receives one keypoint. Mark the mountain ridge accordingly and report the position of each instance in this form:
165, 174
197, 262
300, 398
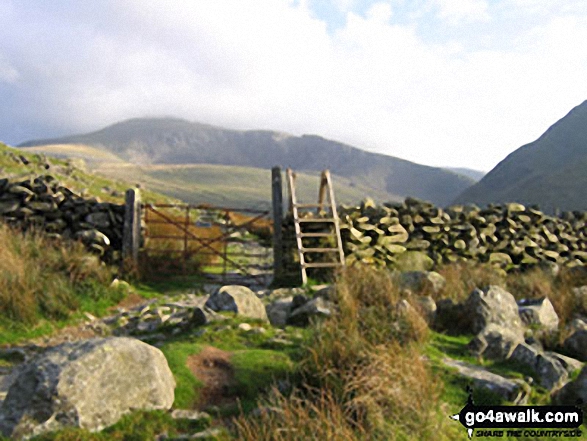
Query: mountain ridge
177, 141
547, 172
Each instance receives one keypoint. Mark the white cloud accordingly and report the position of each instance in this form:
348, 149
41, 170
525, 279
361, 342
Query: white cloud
457, 11
270, 64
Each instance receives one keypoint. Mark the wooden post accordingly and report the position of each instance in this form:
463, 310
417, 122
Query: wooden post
131, 236
277, 201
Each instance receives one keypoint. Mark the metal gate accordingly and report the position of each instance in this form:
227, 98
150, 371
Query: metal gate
228, 245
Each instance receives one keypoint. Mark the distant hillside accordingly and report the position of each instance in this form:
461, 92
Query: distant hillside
176, 141
550, 172
476, 175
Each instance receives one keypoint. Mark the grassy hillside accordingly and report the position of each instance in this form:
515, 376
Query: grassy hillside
223, 185
233, 186
16, 164
549, 172
175, 141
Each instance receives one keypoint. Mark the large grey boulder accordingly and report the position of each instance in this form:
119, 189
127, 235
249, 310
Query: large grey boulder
515, 391
89, 384
538, 313
576, 344
573, 391
526, 355
492, 305
551, 370
238, 299
317, 307
278, 311
495, 342
428, 282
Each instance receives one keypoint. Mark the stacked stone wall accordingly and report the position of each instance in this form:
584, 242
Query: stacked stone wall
43, 203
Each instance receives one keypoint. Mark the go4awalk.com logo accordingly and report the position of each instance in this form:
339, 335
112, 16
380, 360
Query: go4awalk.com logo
520, 421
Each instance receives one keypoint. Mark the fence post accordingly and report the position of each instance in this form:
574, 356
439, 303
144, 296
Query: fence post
131, 236
277, 201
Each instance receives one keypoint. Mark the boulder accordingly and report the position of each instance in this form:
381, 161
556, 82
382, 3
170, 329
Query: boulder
201, 316
422, 281
573, 391
525, 355
89, 384
576, 344
539, 313
414, 261
495, 342
551, 373
426, 306
570, 364
238, 299
492, 305
551, 370
515, 391
278, 311
317, 307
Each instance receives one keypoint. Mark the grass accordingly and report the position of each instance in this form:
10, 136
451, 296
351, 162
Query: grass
70, 175
187, 386
46, 284
362, 375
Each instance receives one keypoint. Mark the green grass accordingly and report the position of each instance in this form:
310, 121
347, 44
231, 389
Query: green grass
187, 386
256, 369
78, 180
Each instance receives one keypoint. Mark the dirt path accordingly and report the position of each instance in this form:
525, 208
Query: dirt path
212, 366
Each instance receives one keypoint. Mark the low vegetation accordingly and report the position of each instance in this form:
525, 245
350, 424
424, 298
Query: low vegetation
363, 377
43, 281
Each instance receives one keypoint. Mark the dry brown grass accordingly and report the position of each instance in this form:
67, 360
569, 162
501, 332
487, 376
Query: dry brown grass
463, 277
364, 377
538, 283
39, 277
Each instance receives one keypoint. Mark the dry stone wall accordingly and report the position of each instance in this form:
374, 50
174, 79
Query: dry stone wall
46, 204
510, 235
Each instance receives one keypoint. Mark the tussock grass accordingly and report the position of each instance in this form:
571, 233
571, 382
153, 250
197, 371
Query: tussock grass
363, 374
45, 279
463, 277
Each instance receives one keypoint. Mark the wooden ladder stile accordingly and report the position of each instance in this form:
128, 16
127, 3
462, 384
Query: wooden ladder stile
326, 191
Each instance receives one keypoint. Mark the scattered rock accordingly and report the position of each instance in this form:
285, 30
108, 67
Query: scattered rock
245, 327
576, 344
422, 281
89, 384
238, 299
538, 312
317, 307
278, 311
426, 306
495, 342
551, 373
515, 391
573, 391
492, 305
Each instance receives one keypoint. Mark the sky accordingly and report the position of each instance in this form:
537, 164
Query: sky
459, 83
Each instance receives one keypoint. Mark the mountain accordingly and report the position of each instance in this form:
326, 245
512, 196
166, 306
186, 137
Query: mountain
151, 141
476, 175
550, 172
